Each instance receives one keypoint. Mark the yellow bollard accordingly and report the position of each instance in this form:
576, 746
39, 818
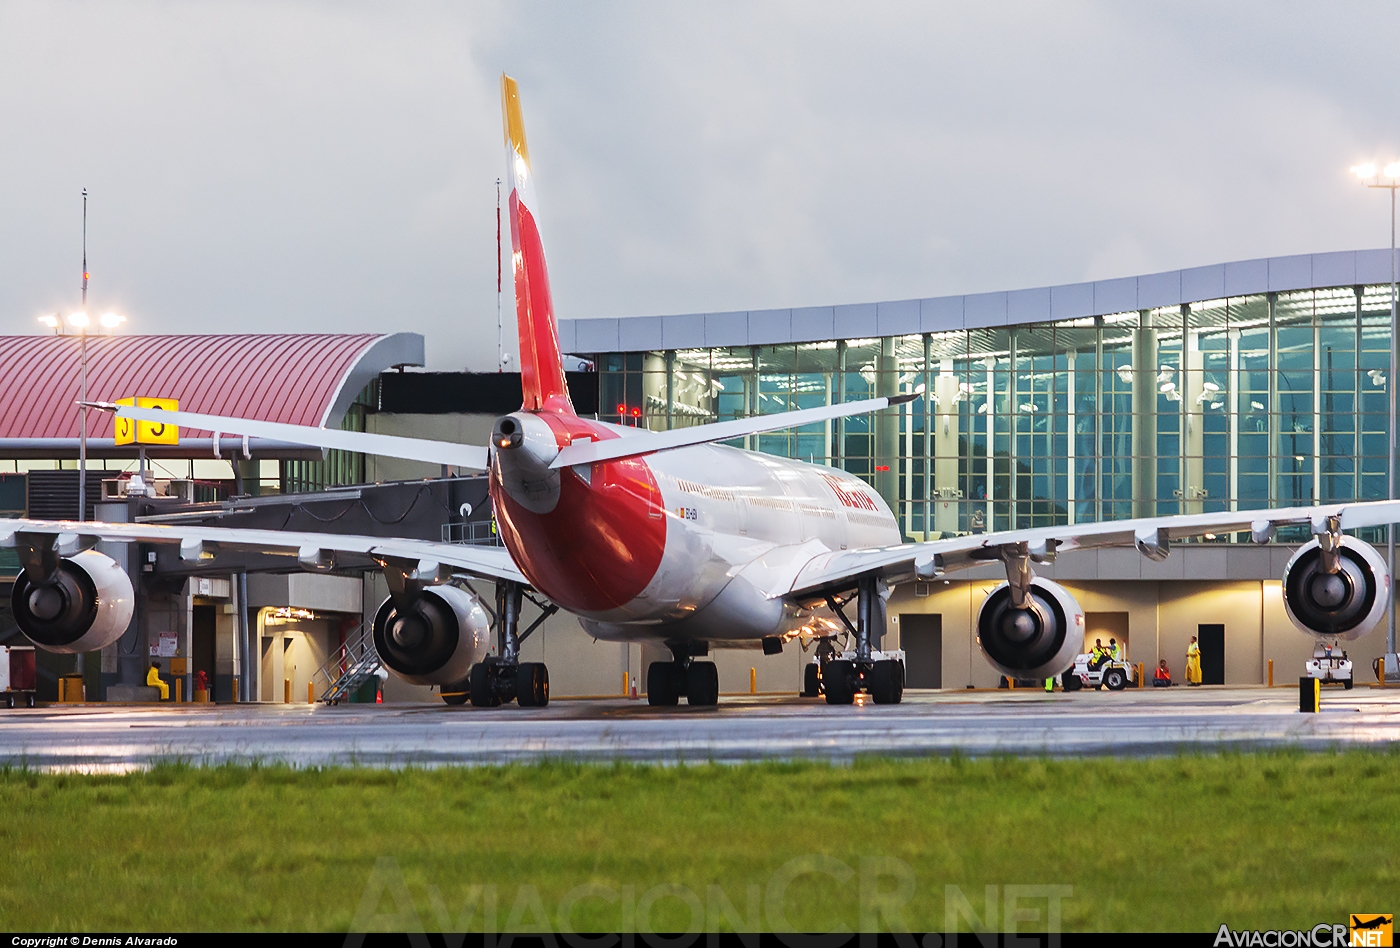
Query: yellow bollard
310, 693
235, 689
626, 681
179, 690
286, 691
753, 681
1271, 673
1142, 674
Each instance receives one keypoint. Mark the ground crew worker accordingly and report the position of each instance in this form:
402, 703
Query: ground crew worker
1115, 649
1162, 678
153, 679
1049, 684
1098, 656
1193, 663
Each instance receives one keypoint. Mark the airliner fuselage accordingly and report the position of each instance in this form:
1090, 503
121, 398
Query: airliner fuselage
680, 544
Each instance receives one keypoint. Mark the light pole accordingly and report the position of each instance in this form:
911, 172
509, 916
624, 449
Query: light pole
80, 322
1369, 177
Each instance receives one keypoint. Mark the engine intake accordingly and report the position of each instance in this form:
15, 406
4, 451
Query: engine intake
86, 605
1039, 641
1344, 605
437, 639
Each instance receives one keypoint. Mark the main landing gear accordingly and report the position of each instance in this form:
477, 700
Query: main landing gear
504, 678
697, 681
865, 668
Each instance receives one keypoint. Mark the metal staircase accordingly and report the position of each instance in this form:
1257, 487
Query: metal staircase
350, 666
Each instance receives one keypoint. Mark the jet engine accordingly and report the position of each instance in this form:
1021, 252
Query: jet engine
1346, 603
86, 605
436, 639
1037, 641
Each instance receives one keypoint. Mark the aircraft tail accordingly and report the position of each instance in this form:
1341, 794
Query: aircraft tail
541, 362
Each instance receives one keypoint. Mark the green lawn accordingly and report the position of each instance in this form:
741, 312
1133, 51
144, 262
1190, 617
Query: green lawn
1186, 843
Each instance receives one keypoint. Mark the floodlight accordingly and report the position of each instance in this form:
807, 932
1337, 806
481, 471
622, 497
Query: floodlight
112, 320
78, 320
50, 321
1366, 170
1392, 170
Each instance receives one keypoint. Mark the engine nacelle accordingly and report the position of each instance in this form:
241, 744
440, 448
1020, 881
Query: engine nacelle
1344, 605
1039, 641
86, 606
436, 640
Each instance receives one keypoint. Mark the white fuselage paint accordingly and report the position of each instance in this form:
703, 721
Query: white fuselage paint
738, 524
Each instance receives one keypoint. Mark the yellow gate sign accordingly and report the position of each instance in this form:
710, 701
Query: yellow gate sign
128, 431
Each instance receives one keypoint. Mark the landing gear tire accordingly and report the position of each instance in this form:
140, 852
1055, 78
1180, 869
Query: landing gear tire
702, 684
457, 694
1346, 684
9, 701
1115, 679
29, 701
839, 678
483, 688
663, 684
887, 682
532, 685
1071, 681
811, 682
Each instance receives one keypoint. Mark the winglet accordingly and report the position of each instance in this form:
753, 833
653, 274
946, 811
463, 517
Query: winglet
541, 363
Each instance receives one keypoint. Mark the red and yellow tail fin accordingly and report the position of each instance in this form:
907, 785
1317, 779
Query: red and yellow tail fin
541, 363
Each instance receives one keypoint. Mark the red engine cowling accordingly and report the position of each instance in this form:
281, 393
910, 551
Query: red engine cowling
85, 606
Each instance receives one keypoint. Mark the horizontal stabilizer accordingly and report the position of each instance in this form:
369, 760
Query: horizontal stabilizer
391, 446
651, 442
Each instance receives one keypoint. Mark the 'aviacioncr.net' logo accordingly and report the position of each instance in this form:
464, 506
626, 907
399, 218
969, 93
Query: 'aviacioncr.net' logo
1372, 930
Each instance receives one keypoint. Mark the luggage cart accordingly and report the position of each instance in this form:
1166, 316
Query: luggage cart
17, 675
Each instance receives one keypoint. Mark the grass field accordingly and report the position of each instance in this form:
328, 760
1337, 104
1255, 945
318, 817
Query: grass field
1269, 841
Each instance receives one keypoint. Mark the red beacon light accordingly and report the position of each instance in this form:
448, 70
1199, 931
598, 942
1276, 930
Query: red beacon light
636, 413
622, 409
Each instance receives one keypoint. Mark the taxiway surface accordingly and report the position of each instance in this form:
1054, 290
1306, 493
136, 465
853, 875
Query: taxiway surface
118, 738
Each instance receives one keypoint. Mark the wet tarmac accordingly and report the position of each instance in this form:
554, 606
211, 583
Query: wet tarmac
744, 728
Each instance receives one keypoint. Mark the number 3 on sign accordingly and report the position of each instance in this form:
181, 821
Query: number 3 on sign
146, 432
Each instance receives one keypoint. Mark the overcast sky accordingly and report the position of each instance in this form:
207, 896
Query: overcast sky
331, 166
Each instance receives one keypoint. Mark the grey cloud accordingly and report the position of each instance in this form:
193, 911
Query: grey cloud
327, 166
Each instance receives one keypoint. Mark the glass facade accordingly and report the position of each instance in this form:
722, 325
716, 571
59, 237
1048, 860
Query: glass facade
1276, 399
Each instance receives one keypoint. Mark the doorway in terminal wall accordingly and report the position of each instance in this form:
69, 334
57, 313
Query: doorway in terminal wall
1211, 639
921, 637
1105, 626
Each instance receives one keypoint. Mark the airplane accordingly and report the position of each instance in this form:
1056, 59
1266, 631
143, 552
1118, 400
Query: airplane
668, 538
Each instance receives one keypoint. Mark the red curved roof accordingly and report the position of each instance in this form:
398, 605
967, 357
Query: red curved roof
291, 378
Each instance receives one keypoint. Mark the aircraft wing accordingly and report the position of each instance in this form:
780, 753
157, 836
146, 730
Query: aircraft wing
831, 572
649, 442
411, 449
313, 550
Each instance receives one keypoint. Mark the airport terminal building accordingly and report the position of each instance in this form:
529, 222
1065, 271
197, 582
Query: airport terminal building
1238, 386
1227, 387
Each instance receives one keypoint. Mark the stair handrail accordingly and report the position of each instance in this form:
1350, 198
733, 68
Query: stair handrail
350, 658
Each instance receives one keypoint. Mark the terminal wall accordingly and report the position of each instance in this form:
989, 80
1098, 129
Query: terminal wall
1162, 617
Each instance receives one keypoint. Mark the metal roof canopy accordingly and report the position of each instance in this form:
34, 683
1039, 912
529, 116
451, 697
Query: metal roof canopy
769, 327
293, 378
